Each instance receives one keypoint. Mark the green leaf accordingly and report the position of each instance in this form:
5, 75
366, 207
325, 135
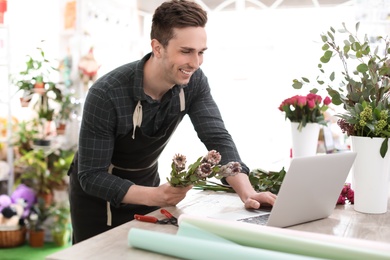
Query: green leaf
328, 54
297, 84
324, 59
331, 77
357, 26
384, 147
306, 80
325, 47
362, 68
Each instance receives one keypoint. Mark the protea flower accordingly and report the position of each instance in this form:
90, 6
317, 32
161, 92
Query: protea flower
230, 169
179, 161
213, 157
204, 170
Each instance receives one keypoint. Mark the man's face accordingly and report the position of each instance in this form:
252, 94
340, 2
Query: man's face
184, 54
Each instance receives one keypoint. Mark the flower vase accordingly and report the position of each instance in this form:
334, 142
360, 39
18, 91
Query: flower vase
304, 142
370, 175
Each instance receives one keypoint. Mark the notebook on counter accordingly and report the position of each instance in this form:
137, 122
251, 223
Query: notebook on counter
309, 192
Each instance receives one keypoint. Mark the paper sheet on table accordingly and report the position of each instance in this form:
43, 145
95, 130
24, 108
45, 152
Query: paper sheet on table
266, 238
194, 243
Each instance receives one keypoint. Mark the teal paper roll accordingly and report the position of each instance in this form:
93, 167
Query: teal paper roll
259, 237
188, 230
195, 248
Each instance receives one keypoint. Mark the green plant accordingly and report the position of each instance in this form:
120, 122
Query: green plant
260, 179
37, 71
59, 162
61, 217
37, 171
36, 78
26, 132
364, 82
40, 212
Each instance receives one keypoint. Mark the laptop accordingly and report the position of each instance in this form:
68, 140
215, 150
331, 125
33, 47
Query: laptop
309, 192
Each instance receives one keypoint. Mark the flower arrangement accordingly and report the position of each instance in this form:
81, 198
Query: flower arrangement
364, 84
347, 195
305, 109
198, 172
260, 179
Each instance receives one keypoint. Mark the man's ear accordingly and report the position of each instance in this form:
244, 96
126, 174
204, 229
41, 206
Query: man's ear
156, 48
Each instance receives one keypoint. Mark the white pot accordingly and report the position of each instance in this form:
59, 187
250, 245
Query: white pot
370, 180
304, 143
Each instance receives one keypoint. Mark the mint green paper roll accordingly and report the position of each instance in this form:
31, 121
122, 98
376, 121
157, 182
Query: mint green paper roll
194, 248
258, 237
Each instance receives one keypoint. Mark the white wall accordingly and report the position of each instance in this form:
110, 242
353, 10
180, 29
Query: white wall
251, 62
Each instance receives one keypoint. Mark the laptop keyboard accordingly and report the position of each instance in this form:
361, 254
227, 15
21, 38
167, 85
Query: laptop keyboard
259, 220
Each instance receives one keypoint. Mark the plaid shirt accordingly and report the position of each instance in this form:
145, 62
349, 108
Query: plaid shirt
108, 114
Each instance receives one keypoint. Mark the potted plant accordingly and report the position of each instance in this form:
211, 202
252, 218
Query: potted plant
67, 106
59, 162
60, 226
40, 212
36, 79
363, 90
26, 132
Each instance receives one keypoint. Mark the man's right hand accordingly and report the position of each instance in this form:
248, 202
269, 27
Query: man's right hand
162, 196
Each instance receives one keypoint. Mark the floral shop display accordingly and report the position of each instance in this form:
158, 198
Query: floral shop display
306, 114
362, 88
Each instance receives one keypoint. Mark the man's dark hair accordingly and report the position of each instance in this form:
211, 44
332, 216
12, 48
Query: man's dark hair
176, 14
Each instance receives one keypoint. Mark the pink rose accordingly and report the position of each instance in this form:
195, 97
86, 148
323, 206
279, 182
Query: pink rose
327, 101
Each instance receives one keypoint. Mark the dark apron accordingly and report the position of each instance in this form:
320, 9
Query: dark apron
134, 158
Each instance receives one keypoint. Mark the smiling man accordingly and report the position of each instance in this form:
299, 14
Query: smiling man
128, 118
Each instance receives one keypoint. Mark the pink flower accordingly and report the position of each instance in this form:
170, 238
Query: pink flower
305, 109
351, 196
327, 101
311, 103
301, 100
341, 200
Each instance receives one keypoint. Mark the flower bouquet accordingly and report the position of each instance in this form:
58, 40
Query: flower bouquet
305, 109
198, 173
346, 195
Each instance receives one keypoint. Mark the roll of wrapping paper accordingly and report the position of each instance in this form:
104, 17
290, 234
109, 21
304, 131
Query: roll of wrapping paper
270, 239
195, 243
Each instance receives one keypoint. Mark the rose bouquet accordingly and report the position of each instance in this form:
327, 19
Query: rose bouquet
305, 109
198, 173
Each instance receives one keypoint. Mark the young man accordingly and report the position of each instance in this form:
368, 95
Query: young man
130, 114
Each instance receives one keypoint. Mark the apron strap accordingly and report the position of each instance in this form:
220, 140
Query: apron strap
182, 100
109, 214
137, 117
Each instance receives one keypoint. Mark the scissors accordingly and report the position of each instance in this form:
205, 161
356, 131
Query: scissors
170, 219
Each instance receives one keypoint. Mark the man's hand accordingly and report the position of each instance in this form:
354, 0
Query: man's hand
254, 201
162, 196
